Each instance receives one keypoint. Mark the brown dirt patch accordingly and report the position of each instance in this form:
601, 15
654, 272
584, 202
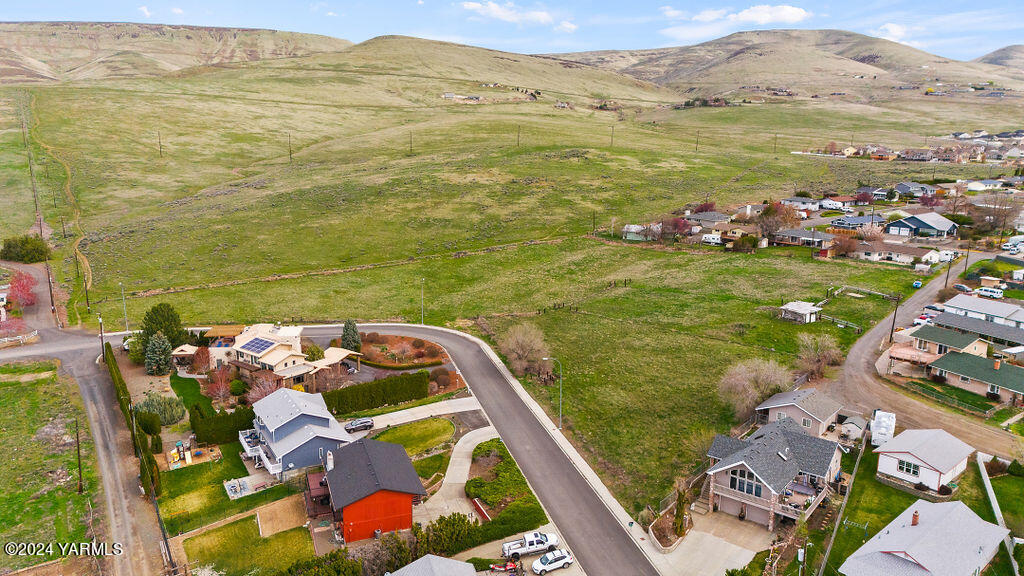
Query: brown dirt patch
137, 381
394, 350
282, 515
483, 467
663, 530
55, 433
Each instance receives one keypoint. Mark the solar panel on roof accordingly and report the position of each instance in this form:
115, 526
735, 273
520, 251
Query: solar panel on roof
257, 345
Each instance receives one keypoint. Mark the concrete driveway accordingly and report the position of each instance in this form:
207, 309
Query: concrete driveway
716, 543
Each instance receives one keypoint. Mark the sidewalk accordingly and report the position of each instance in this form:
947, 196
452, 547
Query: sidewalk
452, 495
421, 412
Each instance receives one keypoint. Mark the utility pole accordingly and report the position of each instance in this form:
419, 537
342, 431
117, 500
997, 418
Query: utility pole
160, 143
519, 130
696, 144
948, 268
892, 330
103, 351
613, 138
775, 146
78, 448
423, 282
65, 231
289, 147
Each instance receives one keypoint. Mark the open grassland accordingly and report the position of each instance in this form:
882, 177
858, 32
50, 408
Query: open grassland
39, 499
237, 549
18, 212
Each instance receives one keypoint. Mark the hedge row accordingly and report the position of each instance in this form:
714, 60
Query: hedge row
388, 391
149, 472
449, 535
402, 366
222, 427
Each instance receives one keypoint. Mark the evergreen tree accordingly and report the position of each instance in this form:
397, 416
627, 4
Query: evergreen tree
314, 353
162, 318
350, 339
158, 355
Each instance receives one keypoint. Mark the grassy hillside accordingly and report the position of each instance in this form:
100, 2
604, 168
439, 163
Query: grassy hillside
808, 61
1010, 56
45, 51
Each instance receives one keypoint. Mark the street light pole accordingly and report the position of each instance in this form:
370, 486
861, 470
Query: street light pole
892, 329
559, 390
423, 281
124, 306
103, 351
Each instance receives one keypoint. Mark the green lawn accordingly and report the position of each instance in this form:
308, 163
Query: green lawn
22, 368
194, 496
190, 392
976, 401
1010, 493
237, 549
420, 436
427, 467
1002, 415
39, 501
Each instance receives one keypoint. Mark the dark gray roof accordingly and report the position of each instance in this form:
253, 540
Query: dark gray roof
801, 233
776, 453
939, 335
368, 466
431, 565
810, 400
709, 217
981, 327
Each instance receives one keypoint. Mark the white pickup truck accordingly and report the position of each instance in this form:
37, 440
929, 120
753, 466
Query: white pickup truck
532, 543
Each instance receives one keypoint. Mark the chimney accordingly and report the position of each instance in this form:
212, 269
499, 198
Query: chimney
997, 364
915, 518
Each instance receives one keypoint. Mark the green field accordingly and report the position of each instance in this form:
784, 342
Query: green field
236, 549
39, 499
420, 436
195, 496
1010, 493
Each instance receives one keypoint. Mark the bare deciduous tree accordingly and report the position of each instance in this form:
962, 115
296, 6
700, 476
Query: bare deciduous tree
263, 386
845, 245
817, 352
524, 347
775, 217
218, 384
872, 232
746, 384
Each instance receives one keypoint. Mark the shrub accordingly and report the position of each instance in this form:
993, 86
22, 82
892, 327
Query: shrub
996, 467
162, 318
1015, 468
148, 422
525, 348
418, 343
120, 389
484, 564
27, 249
433, 350
314, 353
238, 388
371, 338
156, 445
437, 373
444, 381
388, 391
817, 352
222, 427
746, 384
921, 486
169, 409
945, 490
335, 563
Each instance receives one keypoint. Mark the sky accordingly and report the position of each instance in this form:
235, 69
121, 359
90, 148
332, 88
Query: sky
954, 29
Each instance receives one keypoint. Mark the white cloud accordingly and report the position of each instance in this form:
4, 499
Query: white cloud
419, 2
177, 11
509, 12
711, 15
693, 33
566, 26
672, 13
145, 11
332, 14
767, 14
896, 33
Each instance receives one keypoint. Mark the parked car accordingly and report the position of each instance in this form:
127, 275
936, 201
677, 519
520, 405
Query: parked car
359, 424
918, 283
921, 321
127, 344
552, 561
962, 288
532, 543
348, 367
935, 308
988, 292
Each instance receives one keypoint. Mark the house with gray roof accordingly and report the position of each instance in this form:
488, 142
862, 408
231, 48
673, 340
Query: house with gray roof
707, 219
814, 410
915, 189
292, 430
858, 222
777, 472
431, 565
981, 375
985, 309
801, 237
930, 457
373, 487
995, 333
929, 539
929, 343
926, 224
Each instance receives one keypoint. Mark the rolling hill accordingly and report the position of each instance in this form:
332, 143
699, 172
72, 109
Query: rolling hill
57, 51
1010, 56
807, 61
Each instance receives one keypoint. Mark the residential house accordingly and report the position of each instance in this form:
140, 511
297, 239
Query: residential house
915, 189
929, 538
802, 203
748, 211
729, 232
708, 219
431, 565
779, 471
274, 353
952, 188
876, 193
995, 333
815, 411
221, 339
373, 487
801, 237
927, 224
800, 312
985, 309
930, 457
292, 430
916, 154
939, 341
882, 251
858, 222
981, 375
982, 185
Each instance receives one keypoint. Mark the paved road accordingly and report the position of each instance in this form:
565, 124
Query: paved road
859, 388
130, 520
601, 545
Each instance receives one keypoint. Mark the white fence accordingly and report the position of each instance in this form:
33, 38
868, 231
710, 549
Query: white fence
21, 339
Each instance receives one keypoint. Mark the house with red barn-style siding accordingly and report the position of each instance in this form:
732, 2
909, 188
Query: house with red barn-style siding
373, 487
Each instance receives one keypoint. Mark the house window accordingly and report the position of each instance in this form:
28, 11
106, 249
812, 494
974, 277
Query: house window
908, 468
965, 379
744, 481
993, 389
940, 372
806, 422
942, 348
922, 345
321, 452
990, 318
780, 415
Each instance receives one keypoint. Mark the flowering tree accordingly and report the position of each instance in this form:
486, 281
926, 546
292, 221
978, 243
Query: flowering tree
262, 387
22, 285
201, 360
931, 200
705, 207
864, 197
12, 327
218, 384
